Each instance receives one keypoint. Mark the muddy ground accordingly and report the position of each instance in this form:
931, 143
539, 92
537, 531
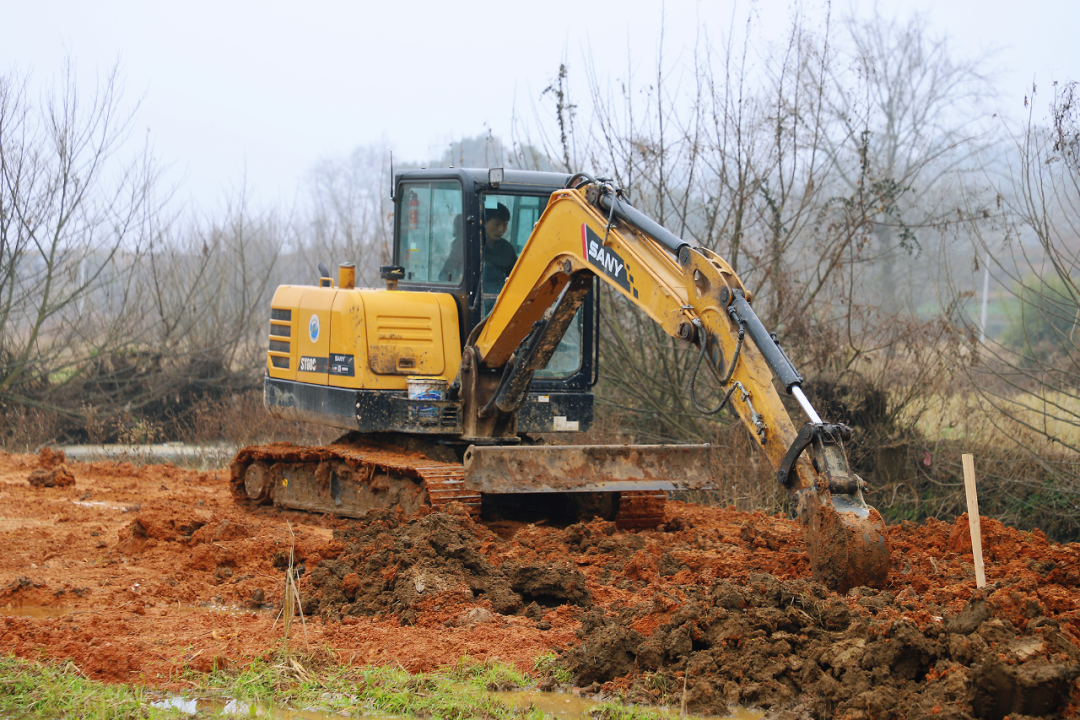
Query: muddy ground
136, 574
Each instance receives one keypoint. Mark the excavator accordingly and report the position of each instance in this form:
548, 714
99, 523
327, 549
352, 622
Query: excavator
485, 336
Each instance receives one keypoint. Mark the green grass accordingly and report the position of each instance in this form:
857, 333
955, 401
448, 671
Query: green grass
32, 690
464, 690
548, 665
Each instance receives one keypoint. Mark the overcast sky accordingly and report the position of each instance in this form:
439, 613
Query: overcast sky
266, 89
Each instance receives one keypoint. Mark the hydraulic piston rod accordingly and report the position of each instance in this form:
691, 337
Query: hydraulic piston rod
811, 413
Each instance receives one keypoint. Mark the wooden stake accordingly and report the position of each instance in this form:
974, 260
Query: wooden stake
973, 519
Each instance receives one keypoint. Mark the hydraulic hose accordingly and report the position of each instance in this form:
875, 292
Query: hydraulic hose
727, 376
579, 177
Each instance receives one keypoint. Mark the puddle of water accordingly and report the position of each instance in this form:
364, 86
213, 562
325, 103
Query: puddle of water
571, 707
239, 708
744, 714
558, 705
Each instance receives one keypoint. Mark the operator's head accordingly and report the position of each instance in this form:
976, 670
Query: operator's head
496, 220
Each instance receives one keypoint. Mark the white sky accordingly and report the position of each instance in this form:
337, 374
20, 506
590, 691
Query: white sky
265, 89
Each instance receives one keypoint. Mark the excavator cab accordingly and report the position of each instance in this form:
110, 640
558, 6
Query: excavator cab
445, 228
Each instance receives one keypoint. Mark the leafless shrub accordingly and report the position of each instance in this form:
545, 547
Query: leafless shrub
239, 419
1025, 383
107, 301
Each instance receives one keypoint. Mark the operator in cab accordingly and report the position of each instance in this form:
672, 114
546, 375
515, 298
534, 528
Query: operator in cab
499, 254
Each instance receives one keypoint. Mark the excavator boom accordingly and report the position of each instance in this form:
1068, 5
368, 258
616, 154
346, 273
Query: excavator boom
693, 294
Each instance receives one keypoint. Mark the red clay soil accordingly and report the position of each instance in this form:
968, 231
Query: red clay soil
138, 573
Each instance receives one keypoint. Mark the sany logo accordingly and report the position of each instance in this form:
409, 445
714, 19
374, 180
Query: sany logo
605, 258
592, 248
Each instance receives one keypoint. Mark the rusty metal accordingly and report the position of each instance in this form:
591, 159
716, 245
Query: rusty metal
845, 536
587, 468
258, 483
445, 483
477, 389
640, 510
348, 479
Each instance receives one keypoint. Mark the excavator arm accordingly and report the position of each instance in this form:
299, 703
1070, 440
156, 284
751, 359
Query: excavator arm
588, 230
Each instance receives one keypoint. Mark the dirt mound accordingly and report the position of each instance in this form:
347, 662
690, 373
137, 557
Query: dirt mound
146, 573
188, 526
391, 565
793, 647
58, 476
52, 470
929, 644
720, 601
49, 458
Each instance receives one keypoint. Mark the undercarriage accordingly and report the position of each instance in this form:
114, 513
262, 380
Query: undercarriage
358, 473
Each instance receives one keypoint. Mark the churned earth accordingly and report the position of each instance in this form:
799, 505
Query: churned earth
139, 573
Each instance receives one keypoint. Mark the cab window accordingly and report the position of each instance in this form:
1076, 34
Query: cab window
518, 214
525, 211
430, 230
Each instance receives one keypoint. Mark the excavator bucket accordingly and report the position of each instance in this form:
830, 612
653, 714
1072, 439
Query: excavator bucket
845, 539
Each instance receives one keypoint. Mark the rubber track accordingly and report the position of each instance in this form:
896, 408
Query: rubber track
444, 482
640, 509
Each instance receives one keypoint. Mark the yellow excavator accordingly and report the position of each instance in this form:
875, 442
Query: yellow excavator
486, 334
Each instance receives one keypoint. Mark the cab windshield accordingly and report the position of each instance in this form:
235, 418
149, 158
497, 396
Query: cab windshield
508, 220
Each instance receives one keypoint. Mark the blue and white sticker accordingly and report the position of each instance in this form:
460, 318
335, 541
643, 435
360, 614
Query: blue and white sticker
313, 328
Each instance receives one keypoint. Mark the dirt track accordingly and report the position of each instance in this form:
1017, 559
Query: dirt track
148, 570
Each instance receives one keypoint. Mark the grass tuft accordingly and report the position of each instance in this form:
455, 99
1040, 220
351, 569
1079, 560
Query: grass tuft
463, 690
29, 689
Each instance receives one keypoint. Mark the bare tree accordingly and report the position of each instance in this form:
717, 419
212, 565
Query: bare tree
1026, 381
74, 212
909, 119
206, 290
113, 312
744, 149
350, 220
